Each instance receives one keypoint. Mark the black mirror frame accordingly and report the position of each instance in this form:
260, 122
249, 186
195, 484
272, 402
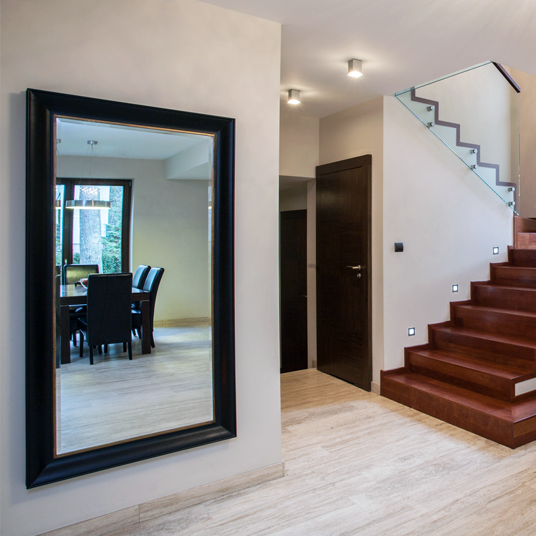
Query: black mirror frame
42, 467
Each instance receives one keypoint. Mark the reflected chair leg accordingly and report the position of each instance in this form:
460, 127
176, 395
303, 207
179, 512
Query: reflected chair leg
99, 349
152, 340
74, 338
105, 348
81, 344
90, 354
129, 344
124, 347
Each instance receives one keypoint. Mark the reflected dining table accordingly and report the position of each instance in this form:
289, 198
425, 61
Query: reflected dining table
71, 295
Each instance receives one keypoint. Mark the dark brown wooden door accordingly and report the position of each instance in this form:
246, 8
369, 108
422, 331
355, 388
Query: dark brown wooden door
343, 278
293, 256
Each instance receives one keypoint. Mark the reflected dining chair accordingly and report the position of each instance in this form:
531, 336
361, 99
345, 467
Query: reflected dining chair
72, 273
109, 317
138, 279
151, 286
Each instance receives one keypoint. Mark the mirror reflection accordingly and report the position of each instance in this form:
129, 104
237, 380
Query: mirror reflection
133, 351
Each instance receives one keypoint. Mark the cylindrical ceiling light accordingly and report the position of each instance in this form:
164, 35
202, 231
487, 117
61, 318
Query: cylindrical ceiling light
87, 204
293, 96
355, 68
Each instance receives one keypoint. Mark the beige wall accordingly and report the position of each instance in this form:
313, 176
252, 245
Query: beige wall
355, 132
449, 222
169, 229
298, 144
153, 53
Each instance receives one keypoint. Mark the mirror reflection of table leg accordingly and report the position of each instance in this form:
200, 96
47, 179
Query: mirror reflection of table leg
65, 335
145, 327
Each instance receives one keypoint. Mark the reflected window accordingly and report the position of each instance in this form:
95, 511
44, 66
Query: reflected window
94, 235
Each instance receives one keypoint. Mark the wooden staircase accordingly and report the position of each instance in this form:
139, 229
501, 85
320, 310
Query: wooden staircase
478, 370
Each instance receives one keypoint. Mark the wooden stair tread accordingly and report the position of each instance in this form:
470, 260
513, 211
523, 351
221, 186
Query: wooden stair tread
480, 365
497, 337
512, 412
473, 307
513, 267
476, 401
504, 287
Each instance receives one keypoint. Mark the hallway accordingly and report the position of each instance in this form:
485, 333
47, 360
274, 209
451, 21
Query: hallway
357, 463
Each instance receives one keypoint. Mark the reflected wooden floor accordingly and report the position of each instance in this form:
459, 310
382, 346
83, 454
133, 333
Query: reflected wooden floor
358, 463
116, 399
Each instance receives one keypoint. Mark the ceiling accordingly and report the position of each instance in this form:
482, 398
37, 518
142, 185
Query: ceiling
401, 43
122, 141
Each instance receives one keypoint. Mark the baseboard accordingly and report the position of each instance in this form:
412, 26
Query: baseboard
102, 525
180, 322
375, 387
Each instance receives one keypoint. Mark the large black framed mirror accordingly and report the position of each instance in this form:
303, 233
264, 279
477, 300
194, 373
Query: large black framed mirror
163, 182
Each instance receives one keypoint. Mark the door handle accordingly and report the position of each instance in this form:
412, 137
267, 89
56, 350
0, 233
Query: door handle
358, 267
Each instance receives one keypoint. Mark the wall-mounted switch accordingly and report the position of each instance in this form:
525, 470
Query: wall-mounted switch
399, 246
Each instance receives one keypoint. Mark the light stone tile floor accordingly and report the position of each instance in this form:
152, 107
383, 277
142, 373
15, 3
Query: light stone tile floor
357, 463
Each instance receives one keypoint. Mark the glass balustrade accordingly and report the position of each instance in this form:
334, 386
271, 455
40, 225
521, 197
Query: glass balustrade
475, 113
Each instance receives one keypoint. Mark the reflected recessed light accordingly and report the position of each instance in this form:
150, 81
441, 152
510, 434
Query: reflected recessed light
495, 251
454, 288
293, 96
355, 68
411, 332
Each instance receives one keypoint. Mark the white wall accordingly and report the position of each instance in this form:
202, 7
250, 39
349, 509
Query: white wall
448, 220
153, 53
347, 134
527, 137
299, 143
479, 100
169, 229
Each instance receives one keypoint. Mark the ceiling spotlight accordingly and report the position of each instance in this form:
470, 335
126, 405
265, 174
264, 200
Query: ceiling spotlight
293, 96
355, 69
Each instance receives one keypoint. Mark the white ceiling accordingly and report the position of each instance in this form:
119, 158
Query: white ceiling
121, 141
401, 43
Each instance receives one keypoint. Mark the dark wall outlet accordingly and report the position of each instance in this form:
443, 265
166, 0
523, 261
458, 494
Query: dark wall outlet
399, 246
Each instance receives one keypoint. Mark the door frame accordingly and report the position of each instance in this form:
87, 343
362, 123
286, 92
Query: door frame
344, 165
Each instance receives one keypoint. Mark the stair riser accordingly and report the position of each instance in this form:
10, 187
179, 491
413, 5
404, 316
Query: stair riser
505, 298
526, 241
513, 276
522, 257
449, 411
473, 380
497, 352
495, 322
